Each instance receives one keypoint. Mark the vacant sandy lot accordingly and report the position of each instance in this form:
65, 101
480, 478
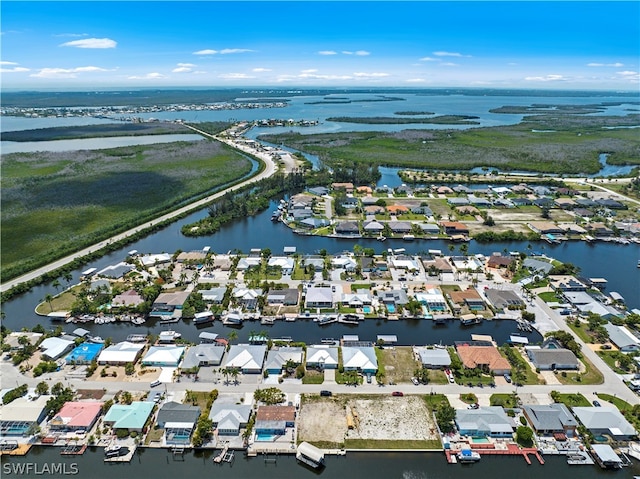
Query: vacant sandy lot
379, 418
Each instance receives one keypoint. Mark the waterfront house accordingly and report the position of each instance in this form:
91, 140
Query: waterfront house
599, 229
537, 266
148, 260
128, 299
443, 190
286, 297
322, 357
346, 262
551, 356
208, 354
373, 226
433, 298
429, 228
249, 262
400, 227
121, 353
274, 420
550, 419
545, 227
347, 228
454, 228
76, 416
21, 415
319, 297
491, 421
404, 262
441, 265
178, 421
169, 305
14, 342
229, 418
248, 358
131, 417
469, 297
622, 338
565, 283
285, 263
496, 260
197, 257
319, 190
504, 298
486, 358
168, 356
393, 297
362, 297
433, 358
116, 271
246, 297
360, 358
367, 264
213, 295
313, 223
462, 189
278, 357
316, 262
605, 420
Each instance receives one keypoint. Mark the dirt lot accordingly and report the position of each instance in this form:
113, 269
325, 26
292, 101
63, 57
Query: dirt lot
379, 418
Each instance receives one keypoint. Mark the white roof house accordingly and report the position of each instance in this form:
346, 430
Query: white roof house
345, 262
404, 262
151, 259
319, 297
433, 298
605, 420
55, 348
246, 263
622, 338
20, 414
229, 418
359, 298
277, 358
163, 356
121, 353
433, 358
322, 356
359, 358
249, 358
213, 295
286, 263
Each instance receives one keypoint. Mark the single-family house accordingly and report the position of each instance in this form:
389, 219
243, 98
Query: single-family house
433, 299
121, 353
168, 356
128, 299
486, 358
623, 339
362, 297
132, 416
274, 420
347, 228
205, 354
229, 418
549, 419
248, 358
279, 357
285, 263
286, 296
490, 421
454, 228
552, 356
169, 305
322, 357
178, 421
605, 420
54, 348
433, 358
360, 358
76, 416
469, 297
213, 295
394, 296
21, 415
319, 297
504, 298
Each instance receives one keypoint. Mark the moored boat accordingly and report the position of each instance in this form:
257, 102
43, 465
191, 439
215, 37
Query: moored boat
467, 456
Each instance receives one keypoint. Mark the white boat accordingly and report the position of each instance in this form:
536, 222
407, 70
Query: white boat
168, 336
467, 455
408, 237
634, 450
96, 340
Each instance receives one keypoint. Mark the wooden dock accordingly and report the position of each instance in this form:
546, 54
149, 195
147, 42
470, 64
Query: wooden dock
18, 450
511, 450
218, 459
73, 450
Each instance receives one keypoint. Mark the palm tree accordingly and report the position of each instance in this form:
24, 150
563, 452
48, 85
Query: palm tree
233, 335
48, 298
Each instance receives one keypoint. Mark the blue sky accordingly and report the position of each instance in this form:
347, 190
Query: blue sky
560, 45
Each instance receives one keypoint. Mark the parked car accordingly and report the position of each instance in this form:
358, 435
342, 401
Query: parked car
154, 384
507, 378
326, 393
596, 403
415, 381
397, 393
473, 406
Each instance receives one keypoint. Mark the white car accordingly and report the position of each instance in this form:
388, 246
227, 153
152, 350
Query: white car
415, 381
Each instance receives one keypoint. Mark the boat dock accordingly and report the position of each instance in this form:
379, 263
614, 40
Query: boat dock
11, 448
124, 458
225, 455
511, 450
73, 450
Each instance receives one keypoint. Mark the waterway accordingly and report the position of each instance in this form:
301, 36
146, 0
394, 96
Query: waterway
160, 464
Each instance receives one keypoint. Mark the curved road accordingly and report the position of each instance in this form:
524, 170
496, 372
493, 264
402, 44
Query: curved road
269, 170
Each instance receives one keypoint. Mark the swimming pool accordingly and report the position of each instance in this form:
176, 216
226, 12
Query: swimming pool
391, 308
265, 437
366, 309
479, 440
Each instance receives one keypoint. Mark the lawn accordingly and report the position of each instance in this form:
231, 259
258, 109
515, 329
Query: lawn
54, 203
313, 377
504, 400
590, 376
581, 331
573, 400
548, 297
397, 363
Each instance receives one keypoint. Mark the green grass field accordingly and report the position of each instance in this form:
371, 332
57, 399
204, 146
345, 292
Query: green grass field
54, 203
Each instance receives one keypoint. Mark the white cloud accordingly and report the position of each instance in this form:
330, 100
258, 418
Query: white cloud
7, 63
370, 75
547, 78
235, 76
512, 64
66, 72
148, 76
224, 51
428, 59
415, 80
629, 75
261, 70
183, 68
615, 65
72, 35
206, 52
449, 54
327, 52
313, 76
91, 43
360, 53
14, 70
449, 64
310, 70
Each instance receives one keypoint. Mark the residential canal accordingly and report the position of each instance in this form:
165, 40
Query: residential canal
615, 262
160, 464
